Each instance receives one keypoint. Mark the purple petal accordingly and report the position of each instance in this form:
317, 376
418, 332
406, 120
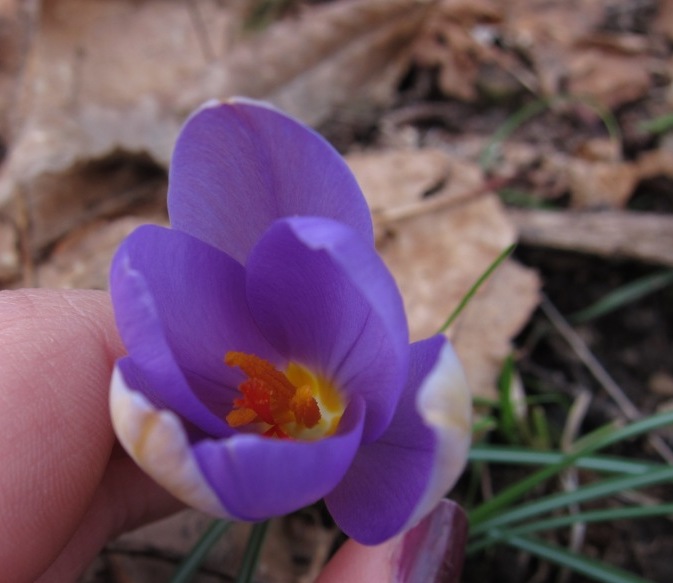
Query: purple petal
141, 331
323, 297
195, 296
257, 477
398, 479
239, 166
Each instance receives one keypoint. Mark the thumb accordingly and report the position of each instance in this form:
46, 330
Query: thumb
431, 552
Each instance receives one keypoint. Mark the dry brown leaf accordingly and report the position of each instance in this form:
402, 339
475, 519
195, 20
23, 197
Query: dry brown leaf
89, 96
9, 252
661, 383
664, 20
56, 203
608, 78
451, 42
595, 184
491, 320
655, 163
82, 259
569, 52
436, 257
17, 25
340, 55
545, 31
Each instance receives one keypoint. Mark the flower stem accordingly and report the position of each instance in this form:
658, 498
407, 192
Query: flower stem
251, 556
192, 562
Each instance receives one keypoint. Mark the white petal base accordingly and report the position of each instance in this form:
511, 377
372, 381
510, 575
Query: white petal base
157, 442
444, 403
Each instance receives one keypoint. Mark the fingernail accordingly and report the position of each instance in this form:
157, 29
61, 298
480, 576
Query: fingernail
433, 551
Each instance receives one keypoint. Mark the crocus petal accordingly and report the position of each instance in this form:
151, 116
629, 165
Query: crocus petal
398, 479
239, 166
257, 477
143, 335
323, 297
157, 442
198, 295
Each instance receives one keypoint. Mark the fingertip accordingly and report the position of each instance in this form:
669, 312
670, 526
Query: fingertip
357, 563
430, 552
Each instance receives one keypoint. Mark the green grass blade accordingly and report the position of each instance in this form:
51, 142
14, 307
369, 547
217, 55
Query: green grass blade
252, 550
625, 513
530, 110
624, 295
520, 489
511, 124
522, 199
500, 454
601, 438
509, 421
590, 443
475, 287
591, 492
591, 568
658, 125
484, 424
191, 563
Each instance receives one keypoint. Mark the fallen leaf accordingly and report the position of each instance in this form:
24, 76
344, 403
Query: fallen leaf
664, 20
89, 98
437, 257
17, 26
655, 163
596, 184
546, 34
491, 320
607, 78
9, 252
82, 259
452, 42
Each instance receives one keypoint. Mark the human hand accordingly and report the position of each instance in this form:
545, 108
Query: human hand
66, 488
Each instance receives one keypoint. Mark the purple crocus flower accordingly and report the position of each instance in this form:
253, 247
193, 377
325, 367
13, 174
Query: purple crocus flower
268, 357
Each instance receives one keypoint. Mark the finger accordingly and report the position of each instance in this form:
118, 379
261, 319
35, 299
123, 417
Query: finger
56, 355
126, 499
431, 552
357, 563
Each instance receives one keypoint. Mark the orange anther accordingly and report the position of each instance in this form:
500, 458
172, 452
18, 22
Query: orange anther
305, 407
239, 417
258, 368
256, 396
268, 396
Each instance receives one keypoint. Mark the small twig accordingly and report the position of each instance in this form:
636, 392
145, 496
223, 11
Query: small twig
433, 204
643, 236
636, 498
628, 409
486, 483
23, 224
201, 31
569, 477
574, 421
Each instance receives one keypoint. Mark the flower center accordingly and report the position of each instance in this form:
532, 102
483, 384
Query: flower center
295, 404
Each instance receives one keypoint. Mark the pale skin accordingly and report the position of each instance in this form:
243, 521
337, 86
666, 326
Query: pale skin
66, 487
